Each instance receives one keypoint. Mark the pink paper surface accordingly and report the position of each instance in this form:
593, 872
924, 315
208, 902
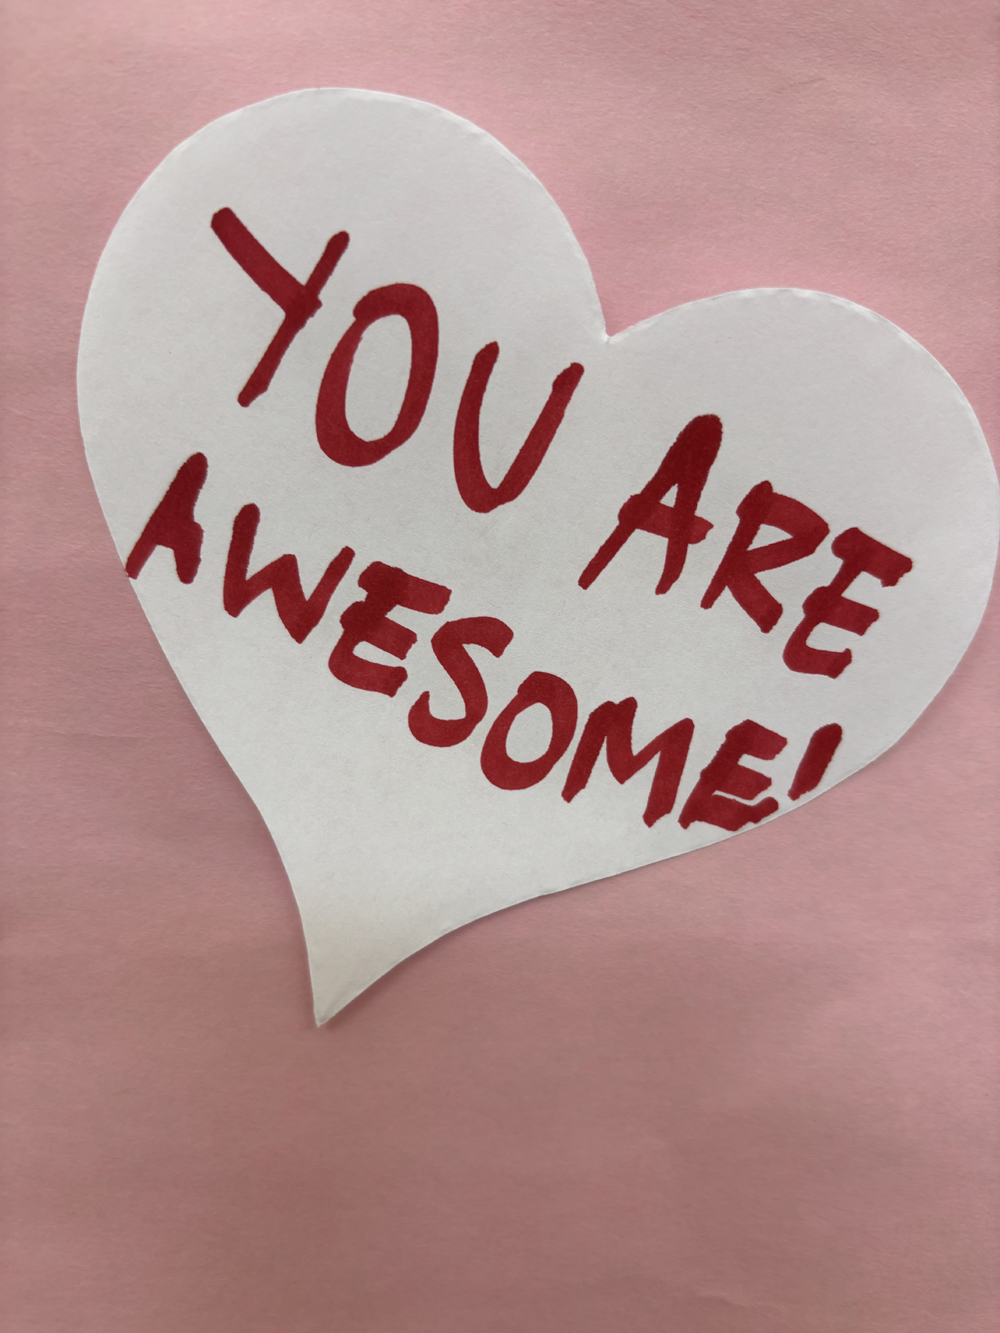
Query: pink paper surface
750, 1090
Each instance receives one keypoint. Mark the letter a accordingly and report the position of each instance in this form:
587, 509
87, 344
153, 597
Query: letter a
687, 464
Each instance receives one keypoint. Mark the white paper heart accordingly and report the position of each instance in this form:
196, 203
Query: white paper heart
838, 433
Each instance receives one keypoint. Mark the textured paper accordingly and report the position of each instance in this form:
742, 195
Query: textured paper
389, 843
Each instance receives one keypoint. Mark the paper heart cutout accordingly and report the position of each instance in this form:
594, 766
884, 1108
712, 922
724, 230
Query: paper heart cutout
838, 433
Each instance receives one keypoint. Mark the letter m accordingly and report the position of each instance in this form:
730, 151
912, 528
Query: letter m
610, 727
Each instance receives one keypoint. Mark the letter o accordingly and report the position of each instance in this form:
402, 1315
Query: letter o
559, 699
333, 432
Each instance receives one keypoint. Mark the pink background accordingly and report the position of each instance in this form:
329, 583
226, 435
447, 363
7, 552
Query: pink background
750, 1090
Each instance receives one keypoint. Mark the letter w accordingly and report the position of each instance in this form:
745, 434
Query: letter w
610, 725
299, 614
